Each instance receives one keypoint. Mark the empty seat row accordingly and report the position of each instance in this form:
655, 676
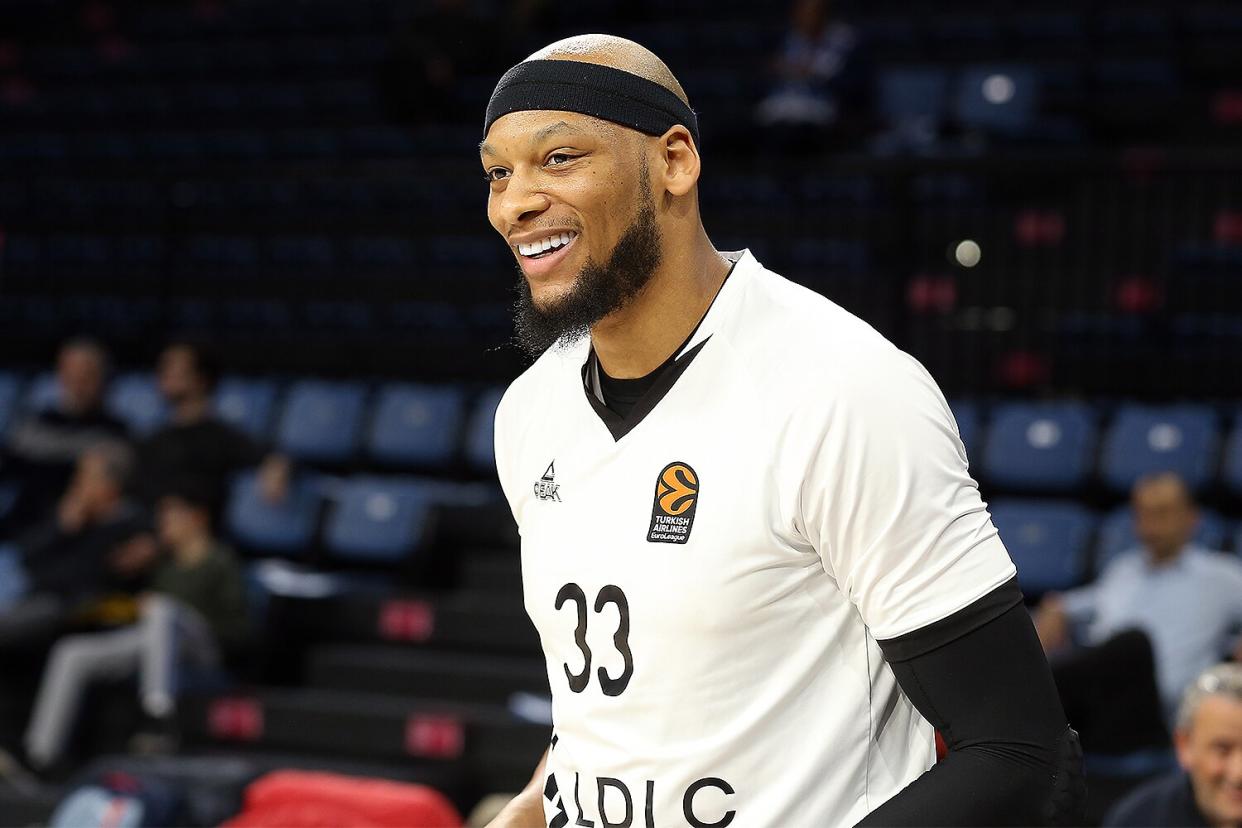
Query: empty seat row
399, 425
1063, 446
1060, 544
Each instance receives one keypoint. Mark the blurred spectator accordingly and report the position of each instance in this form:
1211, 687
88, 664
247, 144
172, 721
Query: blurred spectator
427, 59
95, 540
1154, 619
1208, 788
43, 448
195, 444
196, 608
820, 81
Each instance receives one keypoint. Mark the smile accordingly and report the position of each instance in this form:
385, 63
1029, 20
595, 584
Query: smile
545, 246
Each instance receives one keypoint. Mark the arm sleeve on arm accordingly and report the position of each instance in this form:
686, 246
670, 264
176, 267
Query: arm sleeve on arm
980, 677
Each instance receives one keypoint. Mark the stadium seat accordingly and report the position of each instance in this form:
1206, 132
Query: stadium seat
1231, 464
997, 98
1146, 439
42, 393
284, 528
913, 97
1117, 534
376, 519
321, 421
480, 434
1048, 541
10, 388
135, 399
416, 425
1040, 447
246, 404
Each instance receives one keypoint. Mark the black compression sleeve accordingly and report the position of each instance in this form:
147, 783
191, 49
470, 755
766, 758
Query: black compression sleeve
980, 677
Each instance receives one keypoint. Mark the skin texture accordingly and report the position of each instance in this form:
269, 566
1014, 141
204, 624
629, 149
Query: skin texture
1210, 750
553, 171
1165, 517
80, 370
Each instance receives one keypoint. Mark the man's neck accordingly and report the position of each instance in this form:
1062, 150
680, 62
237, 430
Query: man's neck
193, 551
637, 339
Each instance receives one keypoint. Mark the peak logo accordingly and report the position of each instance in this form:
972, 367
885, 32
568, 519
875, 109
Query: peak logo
676, 500
546, 487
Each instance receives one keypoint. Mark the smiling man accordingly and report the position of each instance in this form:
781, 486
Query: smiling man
758, 565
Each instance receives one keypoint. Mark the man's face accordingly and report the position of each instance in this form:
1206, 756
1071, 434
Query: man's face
1211, 752
1164, 516
91, 482
570, 195
81, 378
178, 521
178, 375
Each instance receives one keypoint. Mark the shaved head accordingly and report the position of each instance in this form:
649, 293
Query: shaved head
617, 52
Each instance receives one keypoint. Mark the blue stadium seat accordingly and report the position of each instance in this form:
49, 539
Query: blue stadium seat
376, 519
1231, 465
321, 421
969, 424
914, 98
284, 528
480, 434
416, 425
997, 98
1145, 439
247, 404
1040, 447
42, 393
10, 396
1117, 534
1048, 541
135, 399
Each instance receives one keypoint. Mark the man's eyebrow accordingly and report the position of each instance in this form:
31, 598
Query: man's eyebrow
552, 129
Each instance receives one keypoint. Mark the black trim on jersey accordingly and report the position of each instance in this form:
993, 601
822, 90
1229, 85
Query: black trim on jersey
1012, 758
621, 413
923, 641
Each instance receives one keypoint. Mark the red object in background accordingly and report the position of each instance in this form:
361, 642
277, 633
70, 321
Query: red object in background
235, 719
942, 750
932, 294
1227, 106
1137, 294
1227, 227
1023, 369
1035, 228
407, 620
305, 799
434, 737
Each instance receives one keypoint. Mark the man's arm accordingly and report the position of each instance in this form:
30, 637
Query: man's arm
980, 677
526, 809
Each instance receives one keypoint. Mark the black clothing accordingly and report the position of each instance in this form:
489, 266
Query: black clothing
42, 451
1169, 800
207, 452
75, 565
621, 395
980, 677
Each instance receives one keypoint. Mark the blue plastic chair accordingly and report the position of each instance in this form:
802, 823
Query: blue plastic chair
246, 404
913, 95
136, 400
10, 398
416, 425
284, 528
1048, 541
377, 519
1146, 439
321, 421
1032, 447
42, 393
1117, 535
998, 98
481, 432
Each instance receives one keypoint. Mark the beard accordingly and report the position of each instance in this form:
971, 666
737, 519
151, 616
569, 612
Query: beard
599, 290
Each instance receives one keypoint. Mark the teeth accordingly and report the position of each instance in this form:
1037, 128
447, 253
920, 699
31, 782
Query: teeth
549, 243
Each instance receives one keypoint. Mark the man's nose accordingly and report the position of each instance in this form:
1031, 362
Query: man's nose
522, 200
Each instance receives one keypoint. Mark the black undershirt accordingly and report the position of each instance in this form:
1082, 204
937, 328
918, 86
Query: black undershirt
621, 395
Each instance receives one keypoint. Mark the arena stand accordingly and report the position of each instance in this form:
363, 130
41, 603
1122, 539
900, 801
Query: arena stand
1061, 248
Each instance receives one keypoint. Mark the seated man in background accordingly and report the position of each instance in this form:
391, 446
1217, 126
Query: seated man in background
1169, 602
195, 443
1207, 789
96, 538
44, 446
195, 609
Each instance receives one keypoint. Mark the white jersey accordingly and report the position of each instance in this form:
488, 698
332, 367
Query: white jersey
709, 576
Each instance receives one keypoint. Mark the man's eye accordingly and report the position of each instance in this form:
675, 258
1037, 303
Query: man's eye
565, 158
495, 174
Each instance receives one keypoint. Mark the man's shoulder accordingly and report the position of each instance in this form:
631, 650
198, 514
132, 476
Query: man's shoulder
548, 375
1166, 800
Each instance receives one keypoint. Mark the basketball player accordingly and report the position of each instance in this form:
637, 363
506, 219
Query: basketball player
758, 566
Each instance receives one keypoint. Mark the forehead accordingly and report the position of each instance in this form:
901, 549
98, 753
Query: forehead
1221, 715
521, 130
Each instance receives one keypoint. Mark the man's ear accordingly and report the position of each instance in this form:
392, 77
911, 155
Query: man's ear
1181, 741
680, 161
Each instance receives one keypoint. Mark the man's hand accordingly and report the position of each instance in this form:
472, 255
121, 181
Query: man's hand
274, 476
71, 513
134, 556
1052, 624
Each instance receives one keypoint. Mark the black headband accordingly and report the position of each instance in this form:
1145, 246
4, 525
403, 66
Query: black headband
598, 91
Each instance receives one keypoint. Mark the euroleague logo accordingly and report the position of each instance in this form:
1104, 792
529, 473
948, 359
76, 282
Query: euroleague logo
676, 500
